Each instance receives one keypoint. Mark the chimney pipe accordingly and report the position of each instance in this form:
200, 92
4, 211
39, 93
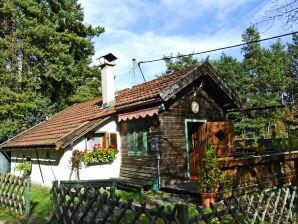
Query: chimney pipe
107, 79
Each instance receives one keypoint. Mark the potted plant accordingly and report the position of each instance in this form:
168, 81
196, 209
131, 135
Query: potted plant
24, 168
210, 176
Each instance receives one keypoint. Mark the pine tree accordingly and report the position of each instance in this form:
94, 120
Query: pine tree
291, 94
45, 60
266, 71
231, 70
181, 62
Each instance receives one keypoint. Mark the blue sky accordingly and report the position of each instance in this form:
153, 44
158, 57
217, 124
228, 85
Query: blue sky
150, 29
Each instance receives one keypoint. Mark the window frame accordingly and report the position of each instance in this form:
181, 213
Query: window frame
132, 138
107, 139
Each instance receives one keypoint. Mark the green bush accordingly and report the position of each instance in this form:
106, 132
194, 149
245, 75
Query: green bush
210, 176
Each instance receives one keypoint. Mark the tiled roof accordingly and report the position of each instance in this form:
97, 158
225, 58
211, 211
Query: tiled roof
51, 133
59, 126
147, 91
75, 121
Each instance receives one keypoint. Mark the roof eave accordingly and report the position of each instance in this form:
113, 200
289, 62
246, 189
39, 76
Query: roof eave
28, 147
200, 71
150, 102
71, 137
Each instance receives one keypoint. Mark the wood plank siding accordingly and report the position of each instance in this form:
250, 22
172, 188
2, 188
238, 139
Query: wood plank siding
172, 132
169, 127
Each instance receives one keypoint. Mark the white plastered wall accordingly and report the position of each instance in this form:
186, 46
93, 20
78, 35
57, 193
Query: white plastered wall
54, 165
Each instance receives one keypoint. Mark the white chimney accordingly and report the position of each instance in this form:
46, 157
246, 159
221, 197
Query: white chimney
107, 79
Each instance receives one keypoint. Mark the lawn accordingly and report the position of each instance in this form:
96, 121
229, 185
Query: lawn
40, 210
41, 205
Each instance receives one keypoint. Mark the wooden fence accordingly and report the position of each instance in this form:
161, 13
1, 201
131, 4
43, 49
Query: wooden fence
15, 193
81, 202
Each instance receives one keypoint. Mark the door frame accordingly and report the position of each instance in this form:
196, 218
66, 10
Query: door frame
186, 121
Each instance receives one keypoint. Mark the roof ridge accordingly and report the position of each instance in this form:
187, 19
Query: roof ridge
166, 76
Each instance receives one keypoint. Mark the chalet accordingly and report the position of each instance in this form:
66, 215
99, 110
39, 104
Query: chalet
161, 129
178, 113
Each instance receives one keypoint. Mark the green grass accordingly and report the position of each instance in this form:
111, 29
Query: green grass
40, 210
41, 205
136, 196
9, 216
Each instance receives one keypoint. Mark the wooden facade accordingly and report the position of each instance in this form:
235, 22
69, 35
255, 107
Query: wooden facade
183, 132
182, 137
177, 126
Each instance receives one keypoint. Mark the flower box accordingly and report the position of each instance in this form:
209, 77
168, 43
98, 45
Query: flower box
99, 155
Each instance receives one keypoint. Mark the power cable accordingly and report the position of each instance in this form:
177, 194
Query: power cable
216, 49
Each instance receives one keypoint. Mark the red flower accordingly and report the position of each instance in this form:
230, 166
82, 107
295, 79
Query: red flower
96, 146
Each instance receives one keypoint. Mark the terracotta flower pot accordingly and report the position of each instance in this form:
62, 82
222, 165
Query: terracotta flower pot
208, 198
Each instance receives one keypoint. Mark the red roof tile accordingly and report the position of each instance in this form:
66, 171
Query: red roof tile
147, 91
76, 120
49, 132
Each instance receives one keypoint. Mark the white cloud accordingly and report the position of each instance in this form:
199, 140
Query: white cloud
127, 45
150, 29
111, 13
167, 13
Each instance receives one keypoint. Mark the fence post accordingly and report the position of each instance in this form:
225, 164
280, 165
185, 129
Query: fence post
28, 191
54, 196
113, 189
182, 213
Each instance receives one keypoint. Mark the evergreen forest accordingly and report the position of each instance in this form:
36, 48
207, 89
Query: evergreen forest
45, 66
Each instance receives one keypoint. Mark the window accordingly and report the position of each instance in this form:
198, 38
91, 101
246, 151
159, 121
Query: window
104, 139
137, 140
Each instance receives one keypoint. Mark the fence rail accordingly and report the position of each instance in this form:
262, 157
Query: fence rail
87, 203
15, 193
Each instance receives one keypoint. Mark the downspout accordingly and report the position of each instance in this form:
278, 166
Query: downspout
154, 146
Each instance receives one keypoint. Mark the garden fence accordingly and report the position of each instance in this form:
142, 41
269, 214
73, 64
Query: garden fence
15, 193
83, 202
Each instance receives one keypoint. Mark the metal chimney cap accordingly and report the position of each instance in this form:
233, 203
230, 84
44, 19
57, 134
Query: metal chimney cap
109, 57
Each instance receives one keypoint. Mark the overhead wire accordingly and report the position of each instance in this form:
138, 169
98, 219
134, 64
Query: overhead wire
212, 50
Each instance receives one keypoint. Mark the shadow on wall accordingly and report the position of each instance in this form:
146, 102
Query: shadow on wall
4, 162
49, 157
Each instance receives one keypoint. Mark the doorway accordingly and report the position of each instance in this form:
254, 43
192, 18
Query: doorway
199, 133
196, 141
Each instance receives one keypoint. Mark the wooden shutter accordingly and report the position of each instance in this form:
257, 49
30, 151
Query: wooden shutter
113, 139
105, 140
221, 135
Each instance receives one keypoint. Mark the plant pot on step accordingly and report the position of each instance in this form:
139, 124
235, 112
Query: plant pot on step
210, 176
208, 198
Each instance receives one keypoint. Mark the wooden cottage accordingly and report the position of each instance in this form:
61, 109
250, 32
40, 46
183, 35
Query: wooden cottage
166, 123
161, 128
